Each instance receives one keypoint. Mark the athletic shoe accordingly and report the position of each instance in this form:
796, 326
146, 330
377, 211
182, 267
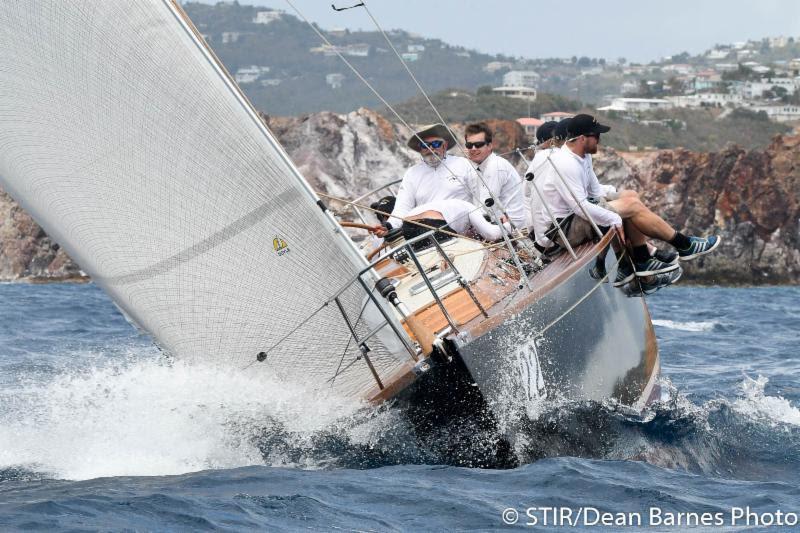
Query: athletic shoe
624, 272
598, 269
653, 266
699, 247
666, 256
659, 281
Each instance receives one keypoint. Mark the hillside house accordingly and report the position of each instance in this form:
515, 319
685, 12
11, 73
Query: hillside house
556, 116
265, 17
523, 93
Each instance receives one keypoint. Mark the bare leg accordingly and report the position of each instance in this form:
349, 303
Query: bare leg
633, 235
629, 193
649, 224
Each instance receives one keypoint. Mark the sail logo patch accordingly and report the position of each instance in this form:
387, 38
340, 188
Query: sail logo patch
280, 246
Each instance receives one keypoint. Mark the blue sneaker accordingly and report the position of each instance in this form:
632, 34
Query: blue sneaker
598, 270
699, 247
653, 266
624, 272
666, 256
659, 281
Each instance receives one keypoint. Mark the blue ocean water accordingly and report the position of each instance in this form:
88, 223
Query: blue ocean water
100, 431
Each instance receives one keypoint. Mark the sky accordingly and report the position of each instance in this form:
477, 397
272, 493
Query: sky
640, 31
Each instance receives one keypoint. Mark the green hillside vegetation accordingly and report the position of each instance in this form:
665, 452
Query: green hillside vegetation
695, 129
284, 46
704, 130
457, 105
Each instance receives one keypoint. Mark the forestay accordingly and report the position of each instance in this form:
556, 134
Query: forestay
124, 138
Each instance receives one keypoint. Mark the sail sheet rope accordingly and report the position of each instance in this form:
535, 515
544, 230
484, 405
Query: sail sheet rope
391, 108
507, 236
484, 244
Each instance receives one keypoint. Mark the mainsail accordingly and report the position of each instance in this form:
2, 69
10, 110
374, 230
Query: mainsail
127, 141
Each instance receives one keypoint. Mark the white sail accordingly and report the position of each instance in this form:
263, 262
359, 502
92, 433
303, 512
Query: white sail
126, 140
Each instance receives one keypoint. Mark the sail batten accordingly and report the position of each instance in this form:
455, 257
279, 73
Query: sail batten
128, 142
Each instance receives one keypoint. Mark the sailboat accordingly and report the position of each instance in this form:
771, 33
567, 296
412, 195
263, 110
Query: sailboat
124, 136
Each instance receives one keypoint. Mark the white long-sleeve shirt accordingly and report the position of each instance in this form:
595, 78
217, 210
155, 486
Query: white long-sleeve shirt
453, 178
557, 195
595, 189
503, 180
461, 215
539, 219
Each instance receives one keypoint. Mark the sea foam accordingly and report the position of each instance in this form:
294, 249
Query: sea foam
151, 417
686, 326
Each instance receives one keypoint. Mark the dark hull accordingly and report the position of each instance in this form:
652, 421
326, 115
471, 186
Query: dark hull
577, 338
583, 339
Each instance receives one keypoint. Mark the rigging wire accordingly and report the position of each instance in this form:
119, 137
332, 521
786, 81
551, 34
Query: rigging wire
349, 340
484, 244
507, 236
404, 219
435, 109
401, 119
376, 93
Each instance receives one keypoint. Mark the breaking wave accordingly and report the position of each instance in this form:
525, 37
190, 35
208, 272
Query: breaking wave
686, 326
153, 417
158, 417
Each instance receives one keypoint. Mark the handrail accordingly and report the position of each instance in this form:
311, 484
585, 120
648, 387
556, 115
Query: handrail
407, 247
365, 195
368, 194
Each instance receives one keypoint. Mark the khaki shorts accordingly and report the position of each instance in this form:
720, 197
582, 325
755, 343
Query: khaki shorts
580, 230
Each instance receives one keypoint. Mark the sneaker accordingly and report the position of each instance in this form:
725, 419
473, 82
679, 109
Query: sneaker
653, 266
659, 281
666, 256
624, 272
598, 269
699, 247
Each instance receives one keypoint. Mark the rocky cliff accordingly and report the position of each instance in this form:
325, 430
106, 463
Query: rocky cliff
751, 198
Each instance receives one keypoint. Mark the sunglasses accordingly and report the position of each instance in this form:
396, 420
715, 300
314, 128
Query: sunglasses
431, 144
595, 135
479, 144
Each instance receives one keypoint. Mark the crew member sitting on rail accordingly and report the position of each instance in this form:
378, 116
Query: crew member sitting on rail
437, 177
498, 179
566, 187
546, 142
459, 216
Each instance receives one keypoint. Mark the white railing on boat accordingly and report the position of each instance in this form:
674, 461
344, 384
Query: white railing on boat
386, 290
357, 202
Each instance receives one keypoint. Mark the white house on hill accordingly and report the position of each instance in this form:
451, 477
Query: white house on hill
523, 93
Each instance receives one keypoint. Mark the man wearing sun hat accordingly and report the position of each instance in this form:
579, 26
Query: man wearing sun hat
438, 176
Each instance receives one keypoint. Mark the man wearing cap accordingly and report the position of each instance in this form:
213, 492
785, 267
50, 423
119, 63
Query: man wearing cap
437, 177
547, 143
567, 190
496, 178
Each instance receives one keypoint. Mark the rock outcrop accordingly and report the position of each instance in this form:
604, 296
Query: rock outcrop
26, 252
750, 198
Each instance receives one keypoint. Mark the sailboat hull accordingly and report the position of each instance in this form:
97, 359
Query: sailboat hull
573, 338
583, 339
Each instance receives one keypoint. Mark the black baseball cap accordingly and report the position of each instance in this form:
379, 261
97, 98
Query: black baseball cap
561, 129
584, 124
384, 205
545, 131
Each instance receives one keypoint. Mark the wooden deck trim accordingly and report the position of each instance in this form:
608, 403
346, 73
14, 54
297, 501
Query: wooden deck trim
396, 382
522, 299
495, 298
